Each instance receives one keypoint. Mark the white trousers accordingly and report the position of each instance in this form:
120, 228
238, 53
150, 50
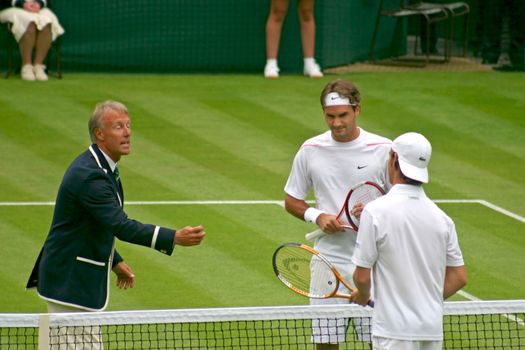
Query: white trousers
73, 338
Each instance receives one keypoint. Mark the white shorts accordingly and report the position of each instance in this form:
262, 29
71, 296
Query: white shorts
20, 20
380, 343
333, 331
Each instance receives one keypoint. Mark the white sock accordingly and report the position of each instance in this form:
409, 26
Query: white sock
308, 61
271, 61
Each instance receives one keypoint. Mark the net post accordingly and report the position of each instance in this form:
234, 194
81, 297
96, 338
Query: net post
43, 332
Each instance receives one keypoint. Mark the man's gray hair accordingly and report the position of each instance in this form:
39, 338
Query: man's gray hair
97, 118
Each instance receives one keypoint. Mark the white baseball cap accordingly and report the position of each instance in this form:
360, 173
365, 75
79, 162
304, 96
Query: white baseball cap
413, 151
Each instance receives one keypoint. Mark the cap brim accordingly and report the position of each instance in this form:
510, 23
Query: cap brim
413, 172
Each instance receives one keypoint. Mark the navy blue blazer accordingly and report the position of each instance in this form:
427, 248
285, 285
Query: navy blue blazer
74, 265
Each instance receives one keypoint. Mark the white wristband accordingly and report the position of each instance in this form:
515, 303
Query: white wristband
311, 215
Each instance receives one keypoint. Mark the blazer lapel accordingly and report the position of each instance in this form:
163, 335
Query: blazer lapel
103, 164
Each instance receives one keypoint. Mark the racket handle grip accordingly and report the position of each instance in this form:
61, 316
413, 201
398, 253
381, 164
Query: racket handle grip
312, 236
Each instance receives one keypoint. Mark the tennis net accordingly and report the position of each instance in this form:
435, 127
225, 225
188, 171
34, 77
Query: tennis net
467, 325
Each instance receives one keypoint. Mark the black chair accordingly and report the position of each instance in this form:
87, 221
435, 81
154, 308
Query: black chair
454, 9
430, 14
12, 46
457, 9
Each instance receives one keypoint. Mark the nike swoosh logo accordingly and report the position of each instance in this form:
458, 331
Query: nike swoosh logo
361, 166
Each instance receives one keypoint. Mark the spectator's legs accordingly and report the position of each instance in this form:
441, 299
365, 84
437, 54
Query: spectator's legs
27, 44
43, 43
274, 25
305, 10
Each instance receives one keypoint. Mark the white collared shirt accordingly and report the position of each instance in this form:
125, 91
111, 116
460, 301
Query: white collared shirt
110, 161
408, 242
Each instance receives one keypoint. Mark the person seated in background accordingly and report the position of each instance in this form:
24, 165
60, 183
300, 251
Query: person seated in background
34, 27
274, 25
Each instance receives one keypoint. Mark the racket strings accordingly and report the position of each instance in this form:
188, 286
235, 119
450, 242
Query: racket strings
324, 281
362, 194
303, 271
293, 265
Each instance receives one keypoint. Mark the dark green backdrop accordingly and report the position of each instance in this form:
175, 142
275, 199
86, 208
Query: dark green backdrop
207, 35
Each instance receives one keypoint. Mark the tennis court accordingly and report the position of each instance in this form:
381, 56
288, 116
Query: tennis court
201, 142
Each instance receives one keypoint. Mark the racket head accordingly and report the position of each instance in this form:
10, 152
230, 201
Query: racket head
364, 192
293, 264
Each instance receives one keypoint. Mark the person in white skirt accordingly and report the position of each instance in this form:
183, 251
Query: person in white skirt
34, 27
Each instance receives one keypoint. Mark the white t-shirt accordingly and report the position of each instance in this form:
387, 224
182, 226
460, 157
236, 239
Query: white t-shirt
409, 242
331, 168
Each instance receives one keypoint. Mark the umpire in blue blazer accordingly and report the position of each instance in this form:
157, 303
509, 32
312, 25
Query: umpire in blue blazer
73, 268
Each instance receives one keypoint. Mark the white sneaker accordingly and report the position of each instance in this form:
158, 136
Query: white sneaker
27, 73
40, 72
313, 70
271, 70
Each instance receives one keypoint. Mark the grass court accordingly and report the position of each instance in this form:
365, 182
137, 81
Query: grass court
217, 149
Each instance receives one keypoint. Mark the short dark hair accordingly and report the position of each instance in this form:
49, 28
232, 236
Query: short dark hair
344, 88
405, 178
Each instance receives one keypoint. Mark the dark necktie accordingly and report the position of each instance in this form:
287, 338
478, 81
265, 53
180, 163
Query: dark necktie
116, 175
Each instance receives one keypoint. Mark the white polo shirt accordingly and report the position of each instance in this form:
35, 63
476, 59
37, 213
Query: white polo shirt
409, 242
331, 168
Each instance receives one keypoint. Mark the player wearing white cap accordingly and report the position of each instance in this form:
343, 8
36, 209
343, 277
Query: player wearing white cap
413, 249
330, 164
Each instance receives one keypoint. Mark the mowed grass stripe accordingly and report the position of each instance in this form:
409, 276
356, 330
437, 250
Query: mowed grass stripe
474, 182
451, 141
225, 263
485, 125
492, 252
270, 150
193, 117
157, 172
20, 248
197, 149
226, 225
26, 131
163, 281
29, 176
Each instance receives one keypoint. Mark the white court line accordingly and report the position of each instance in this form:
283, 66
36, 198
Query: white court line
210, 202
277, 202
502, 211
468, 295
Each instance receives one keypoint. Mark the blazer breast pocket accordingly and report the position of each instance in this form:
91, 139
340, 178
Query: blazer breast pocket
91, 261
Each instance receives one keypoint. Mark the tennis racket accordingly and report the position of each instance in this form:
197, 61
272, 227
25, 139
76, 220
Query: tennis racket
308, 273
363, 192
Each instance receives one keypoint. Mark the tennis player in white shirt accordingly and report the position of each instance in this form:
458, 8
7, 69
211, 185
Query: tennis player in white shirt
331, 163
412, 249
